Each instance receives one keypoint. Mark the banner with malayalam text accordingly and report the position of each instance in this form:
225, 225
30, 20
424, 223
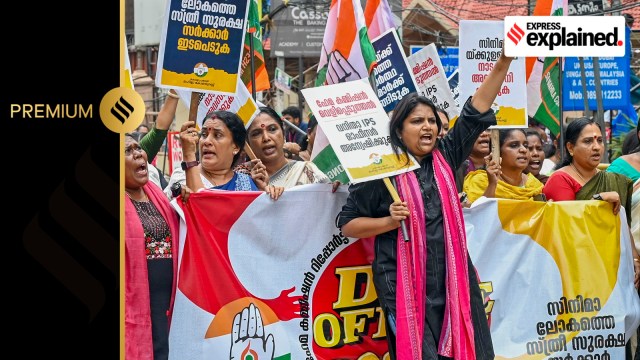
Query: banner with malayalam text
201, 45
556, 279
432, 81
357, 126
480, 47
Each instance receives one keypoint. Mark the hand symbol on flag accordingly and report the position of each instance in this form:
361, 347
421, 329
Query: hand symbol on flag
247, 337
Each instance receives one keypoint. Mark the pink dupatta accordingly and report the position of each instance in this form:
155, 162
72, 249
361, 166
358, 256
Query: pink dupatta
138, 340
456, 338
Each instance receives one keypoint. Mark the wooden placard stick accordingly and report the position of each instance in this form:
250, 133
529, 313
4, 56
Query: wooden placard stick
495, 145
396, 197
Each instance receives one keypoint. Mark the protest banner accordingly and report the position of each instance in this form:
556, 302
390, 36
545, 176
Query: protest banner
557, 278
241, 103
392, 74
357, 126
201, 45
308, 289
480, 47
448, 57
310, 294
432, 81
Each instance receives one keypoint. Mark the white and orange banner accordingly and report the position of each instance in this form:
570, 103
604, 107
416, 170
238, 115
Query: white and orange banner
278, 280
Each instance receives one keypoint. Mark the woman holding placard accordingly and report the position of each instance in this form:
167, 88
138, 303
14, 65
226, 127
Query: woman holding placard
434, 309
506, 179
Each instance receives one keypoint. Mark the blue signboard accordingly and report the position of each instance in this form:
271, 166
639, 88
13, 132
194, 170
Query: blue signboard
448, 57
614, 77
393, 77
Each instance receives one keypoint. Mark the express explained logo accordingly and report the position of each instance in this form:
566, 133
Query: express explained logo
515, 34
551, 35
544, 36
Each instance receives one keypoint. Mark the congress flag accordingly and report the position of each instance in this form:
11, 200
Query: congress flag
543, 76
378, 18
347, 54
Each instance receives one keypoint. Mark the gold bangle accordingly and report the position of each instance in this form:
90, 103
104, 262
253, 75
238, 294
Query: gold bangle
636, 260
175, 96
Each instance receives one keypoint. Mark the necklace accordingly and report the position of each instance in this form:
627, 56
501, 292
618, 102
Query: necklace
145, 198
579, 174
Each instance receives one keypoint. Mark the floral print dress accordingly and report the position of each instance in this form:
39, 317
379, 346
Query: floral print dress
158, 248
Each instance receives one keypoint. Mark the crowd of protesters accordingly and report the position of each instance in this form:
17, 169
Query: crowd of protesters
530, 167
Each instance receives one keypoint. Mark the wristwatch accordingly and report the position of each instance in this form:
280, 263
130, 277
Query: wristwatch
188, 164
597, 196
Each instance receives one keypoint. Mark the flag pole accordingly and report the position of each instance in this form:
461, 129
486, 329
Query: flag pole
251, 31
193, 109
396, 197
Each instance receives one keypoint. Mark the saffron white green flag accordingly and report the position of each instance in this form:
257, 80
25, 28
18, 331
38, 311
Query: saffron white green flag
346, 55
378, 18
543, 76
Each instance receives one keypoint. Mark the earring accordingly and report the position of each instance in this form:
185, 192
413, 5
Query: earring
235, 152
570, 154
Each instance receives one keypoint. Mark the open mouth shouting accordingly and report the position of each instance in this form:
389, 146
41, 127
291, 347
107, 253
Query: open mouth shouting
535, 164
141, 169
427, 139
269, 150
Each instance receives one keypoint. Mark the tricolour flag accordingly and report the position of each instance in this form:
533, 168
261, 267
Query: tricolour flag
378, 18
543, 88
346, 55
254, 33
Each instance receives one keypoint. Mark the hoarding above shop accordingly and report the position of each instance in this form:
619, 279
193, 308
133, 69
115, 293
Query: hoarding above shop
298, 30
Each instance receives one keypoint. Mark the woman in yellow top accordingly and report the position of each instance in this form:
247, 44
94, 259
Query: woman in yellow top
507, 179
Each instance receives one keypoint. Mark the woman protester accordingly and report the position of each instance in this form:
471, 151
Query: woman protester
536, 155
506, 179
266, 138
444, 118
578, 176
305, 154
151, 244
220, 142
441, 314
476, 160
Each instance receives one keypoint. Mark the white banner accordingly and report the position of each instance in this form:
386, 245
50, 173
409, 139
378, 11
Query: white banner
480, 47
557, 278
